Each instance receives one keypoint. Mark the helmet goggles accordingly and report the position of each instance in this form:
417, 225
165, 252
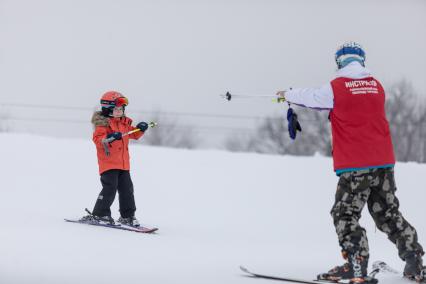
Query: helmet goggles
118, 102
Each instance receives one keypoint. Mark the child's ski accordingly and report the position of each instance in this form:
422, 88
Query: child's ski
139, 229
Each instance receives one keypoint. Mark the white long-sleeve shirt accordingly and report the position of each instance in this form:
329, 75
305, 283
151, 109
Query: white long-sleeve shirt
323, 97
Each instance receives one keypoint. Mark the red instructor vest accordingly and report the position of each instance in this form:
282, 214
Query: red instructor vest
360, 130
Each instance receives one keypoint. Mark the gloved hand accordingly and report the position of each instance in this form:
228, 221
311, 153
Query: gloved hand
293, 123
143, 126
116, 135
281, 96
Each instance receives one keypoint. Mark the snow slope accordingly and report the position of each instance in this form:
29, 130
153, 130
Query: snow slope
215, 210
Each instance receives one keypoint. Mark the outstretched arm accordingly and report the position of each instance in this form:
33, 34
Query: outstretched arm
316, 98
135, 135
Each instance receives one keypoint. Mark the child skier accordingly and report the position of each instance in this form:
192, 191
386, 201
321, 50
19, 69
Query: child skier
364, 161
111, 123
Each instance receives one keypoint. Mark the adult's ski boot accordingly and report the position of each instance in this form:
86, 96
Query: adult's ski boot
414, 269
354, 270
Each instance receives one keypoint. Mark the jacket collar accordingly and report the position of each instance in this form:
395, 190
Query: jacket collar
353, 70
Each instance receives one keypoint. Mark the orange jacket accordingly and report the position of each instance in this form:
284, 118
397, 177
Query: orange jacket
119, 149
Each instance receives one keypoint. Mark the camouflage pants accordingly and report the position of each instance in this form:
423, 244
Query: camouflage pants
376, 187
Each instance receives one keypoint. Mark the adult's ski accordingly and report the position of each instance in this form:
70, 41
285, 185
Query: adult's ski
283, 278
378, 266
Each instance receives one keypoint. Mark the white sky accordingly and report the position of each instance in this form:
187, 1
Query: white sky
178, 56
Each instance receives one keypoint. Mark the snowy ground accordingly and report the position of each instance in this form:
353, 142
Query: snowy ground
215, 210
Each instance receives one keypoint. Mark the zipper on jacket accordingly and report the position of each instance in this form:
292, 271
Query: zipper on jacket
122, 144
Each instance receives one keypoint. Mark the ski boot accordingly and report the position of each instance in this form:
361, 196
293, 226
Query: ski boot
130, 221
354, 270
414, 269
93, 219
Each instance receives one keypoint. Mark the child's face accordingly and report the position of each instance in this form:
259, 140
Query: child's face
118, 112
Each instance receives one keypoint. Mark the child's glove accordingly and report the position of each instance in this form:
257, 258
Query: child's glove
116, 135
143, 126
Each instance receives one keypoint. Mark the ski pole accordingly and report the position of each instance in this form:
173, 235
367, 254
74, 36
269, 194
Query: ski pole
150, 125
228, 96
106, 141
131, 132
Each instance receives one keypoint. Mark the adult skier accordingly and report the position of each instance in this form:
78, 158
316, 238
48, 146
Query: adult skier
113, 158
364, 160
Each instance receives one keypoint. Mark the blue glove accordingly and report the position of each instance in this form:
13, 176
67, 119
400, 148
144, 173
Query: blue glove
143, 126
116, 135
293, 123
